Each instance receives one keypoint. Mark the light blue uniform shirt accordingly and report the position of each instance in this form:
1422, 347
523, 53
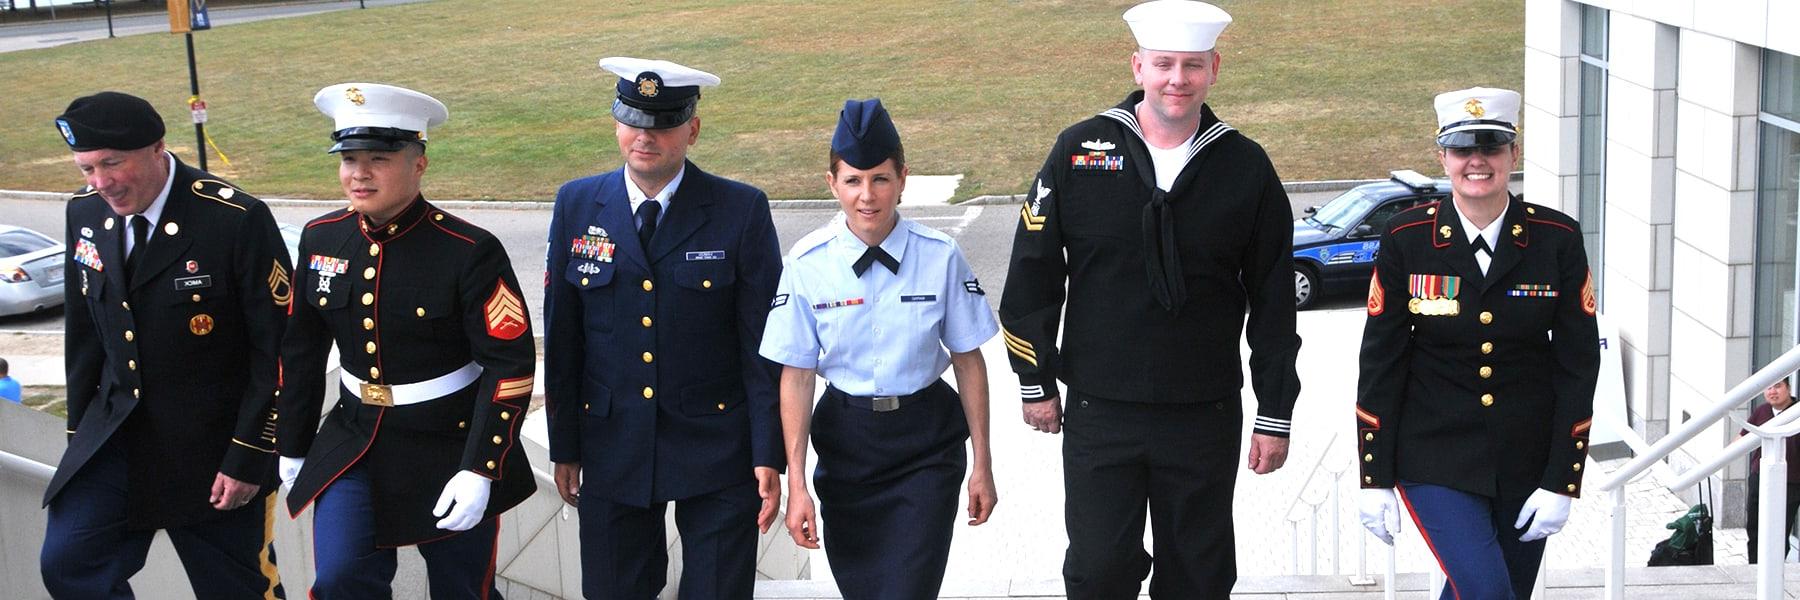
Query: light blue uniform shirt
882, 334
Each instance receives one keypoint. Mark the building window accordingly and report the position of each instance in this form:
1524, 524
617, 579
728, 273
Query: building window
1592, 138
1777, 206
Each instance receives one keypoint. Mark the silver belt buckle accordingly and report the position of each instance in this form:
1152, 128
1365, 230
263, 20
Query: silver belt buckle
884, 403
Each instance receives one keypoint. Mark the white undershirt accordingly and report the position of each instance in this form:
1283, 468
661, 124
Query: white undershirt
153, 214
1169, 162
1491, 234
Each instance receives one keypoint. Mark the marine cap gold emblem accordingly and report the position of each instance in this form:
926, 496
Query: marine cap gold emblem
647, 87
1473, 107
355, 96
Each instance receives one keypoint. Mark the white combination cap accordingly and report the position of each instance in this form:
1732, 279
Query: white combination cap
373, 116
1477, 117
1176, 25
655, 94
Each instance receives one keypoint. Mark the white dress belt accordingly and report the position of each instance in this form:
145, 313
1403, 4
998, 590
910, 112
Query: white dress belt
410, 393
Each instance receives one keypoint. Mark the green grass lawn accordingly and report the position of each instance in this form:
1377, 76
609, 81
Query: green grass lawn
1336, 89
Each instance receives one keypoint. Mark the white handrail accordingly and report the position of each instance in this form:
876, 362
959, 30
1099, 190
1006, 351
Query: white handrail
1787, 363
1614, 484
1737, 449
10, 462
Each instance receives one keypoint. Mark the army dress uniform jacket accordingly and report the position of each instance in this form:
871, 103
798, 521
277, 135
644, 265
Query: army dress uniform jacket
178, 364
1483, 384
653, 381
426, 295
1234, 233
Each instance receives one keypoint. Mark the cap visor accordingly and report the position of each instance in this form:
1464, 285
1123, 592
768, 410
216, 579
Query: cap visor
1475, 138
364, 143
646, 119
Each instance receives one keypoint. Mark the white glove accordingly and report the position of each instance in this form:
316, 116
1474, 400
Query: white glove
470, 493
1380, 510
288, 469
1551, 510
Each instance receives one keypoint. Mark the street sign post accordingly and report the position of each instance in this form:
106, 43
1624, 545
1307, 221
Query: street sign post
186, 17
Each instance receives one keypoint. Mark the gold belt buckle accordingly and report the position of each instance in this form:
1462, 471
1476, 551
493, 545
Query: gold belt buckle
376, 394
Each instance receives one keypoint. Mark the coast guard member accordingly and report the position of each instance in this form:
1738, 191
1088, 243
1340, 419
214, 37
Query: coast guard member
872, 301
1478, 363
176, 283
659, 279
1155, 186
421, 447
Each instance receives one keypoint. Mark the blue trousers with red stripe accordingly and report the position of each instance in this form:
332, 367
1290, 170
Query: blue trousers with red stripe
1475, 542
351, 566
89, 553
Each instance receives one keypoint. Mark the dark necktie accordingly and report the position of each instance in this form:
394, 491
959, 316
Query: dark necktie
873, 255
1480, 246
140, 231
646, 214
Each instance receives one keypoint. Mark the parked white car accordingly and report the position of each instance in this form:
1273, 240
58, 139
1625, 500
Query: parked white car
31, 271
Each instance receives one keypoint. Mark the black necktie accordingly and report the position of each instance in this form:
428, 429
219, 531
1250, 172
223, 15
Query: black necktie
646, 214
140, 231
1481, 247
872, 255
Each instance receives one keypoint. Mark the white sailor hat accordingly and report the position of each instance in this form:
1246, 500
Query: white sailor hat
655, 94
1477, 117
1176, 25
372, 116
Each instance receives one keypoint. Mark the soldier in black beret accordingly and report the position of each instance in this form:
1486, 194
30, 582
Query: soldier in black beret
171, 340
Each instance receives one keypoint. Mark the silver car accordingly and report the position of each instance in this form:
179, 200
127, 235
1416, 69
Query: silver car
31, 271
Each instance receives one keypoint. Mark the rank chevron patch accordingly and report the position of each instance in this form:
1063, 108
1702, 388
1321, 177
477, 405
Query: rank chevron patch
505, 314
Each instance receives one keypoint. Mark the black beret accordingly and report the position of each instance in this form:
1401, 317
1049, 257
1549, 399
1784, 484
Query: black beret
110, 120
865, 134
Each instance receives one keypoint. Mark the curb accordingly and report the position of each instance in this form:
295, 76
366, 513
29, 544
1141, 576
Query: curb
1294, 187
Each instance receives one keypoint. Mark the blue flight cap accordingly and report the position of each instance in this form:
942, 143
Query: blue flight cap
865, 134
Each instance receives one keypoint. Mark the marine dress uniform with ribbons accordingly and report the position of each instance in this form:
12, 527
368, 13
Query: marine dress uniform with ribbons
1155, 264
437, 361
171, 359
1476, 387
654, 306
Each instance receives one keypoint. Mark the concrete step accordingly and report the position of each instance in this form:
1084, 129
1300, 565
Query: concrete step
1671, 583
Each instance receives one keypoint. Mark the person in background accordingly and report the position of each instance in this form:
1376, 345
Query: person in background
1777, 398
9, 387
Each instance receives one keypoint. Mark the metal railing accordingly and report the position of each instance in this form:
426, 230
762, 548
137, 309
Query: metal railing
1774, 482
13, 463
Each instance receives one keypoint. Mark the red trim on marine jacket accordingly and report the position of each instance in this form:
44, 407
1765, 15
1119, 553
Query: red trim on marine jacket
1426, 535
1367, 417
1424, 222
1581, 428
1552, 224
352, 463
322, 220
440, 226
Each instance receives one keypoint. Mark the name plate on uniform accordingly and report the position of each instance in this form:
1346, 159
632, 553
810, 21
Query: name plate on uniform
707, 255
919, 298
193, 283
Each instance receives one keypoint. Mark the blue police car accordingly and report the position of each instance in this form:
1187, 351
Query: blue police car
1335, 244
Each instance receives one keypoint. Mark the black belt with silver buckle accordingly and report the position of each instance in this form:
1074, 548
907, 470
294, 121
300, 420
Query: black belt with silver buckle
883, 403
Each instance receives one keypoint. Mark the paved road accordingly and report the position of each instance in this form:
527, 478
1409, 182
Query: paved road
985, 233
27, 36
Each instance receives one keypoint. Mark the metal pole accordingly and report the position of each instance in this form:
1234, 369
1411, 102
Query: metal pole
109, 27
1388, 590
194, 86
1615, 566
1771, 549
1312, 539
1337, 525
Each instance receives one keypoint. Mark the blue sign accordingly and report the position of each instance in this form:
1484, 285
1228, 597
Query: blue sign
198, 16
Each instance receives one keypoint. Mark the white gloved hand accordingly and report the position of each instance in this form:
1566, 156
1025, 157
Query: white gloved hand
1380, 510
469, 492
1551, 510
288, 469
